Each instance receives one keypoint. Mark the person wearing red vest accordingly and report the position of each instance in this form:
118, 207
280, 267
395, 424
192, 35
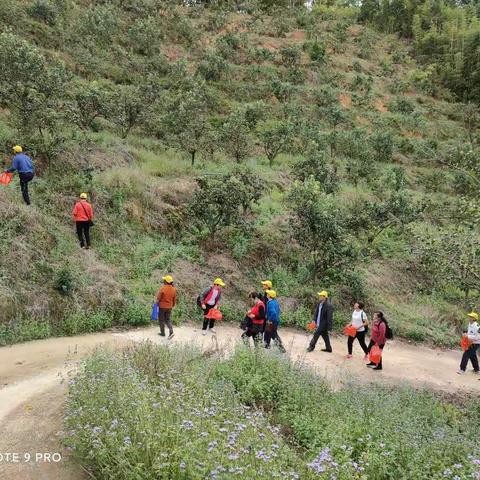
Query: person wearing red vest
208, 299
256, 320
83, 217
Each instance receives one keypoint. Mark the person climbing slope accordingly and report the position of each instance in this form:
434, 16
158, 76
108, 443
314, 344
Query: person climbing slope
83, 217
323, 319
166, 299
273, 321
256, 319
208, 299
473, 336
23, 164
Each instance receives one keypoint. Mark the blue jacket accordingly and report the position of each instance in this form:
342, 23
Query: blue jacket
273, 311
22, 163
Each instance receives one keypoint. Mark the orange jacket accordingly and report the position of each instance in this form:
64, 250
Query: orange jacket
167, 297
82, 211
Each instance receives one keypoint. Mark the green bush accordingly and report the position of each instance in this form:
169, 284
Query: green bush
44, 11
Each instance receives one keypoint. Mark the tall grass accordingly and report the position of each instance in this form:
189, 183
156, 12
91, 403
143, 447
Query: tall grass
167, 413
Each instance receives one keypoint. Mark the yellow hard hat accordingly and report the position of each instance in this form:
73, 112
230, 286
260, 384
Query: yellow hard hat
17, 149
267, 283
218, 281
168, 278
271, 293
83, 196
473, 315
323, 293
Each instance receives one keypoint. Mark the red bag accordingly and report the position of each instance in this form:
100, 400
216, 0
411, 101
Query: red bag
6, 178
350, 331
375, 354
311, 326
465, 343
214, 314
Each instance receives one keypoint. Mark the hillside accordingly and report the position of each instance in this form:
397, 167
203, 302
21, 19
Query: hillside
311, 148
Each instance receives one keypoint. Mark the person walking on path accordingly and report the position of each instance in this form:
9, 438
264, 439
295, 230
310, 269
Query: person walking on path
83, 217
323, 319
360, 322
23, 164
208, 299
379, 337
272, 321
256, 320
473, 336
266, 285
166, 299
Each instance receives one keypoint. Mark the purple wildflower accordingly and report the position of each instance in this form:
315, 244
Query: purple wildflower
187, 425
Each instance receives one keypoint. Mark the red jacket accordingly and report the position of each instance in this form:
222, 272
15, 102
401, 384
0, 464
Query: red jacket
379, 331
82, 211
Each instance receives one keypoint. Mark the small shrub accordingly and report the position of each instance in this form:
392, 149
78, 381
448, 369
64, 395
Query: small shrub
65, 281
43, 10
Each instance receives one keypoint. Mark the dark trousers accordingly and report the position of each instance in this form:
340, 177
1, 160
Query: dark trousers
254, 330
271, 333
360, 336
164, 318
207, 322
470, 354
370, 345
324, 334
25, 178
83, 233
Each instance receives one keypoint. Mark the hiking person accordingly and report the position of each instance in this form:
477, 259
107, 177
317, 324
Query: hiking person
255, 319
378, 337
473, 336
272, 321
360, 322
166, 299
323, 319
23, 164
208, 299
266, 285
83, 217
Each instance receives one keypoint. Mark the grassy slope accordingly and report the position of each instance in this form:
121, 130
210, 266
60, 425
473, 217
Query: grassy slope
136, 180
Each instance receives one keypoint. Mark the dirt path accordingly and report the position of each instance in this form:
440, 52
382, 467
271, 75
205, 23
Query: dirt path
33, 385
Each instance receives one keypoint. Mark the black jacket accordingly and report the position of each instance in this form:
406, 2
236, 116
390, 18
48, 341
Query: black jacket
326, 317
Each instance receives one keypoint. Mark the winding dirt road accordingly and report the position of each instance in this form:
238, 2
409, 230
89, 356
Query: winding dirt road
33, 385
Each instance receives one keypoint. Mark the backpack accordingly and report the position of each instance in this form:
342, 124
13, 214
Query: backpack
388, 331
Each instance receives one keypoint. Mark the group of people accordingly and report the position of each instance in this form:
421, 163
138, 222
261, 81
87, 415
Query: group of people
262, 319
82, 211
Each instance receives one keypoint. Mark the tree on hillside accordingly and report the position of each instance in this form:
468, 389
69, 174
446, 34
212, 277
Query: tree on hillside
397, 211
187, 119
235, 135
317, 165
275, 137
318, 225
88, 101
127, 108
223, 200
450, 259
34, 90
464, 160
